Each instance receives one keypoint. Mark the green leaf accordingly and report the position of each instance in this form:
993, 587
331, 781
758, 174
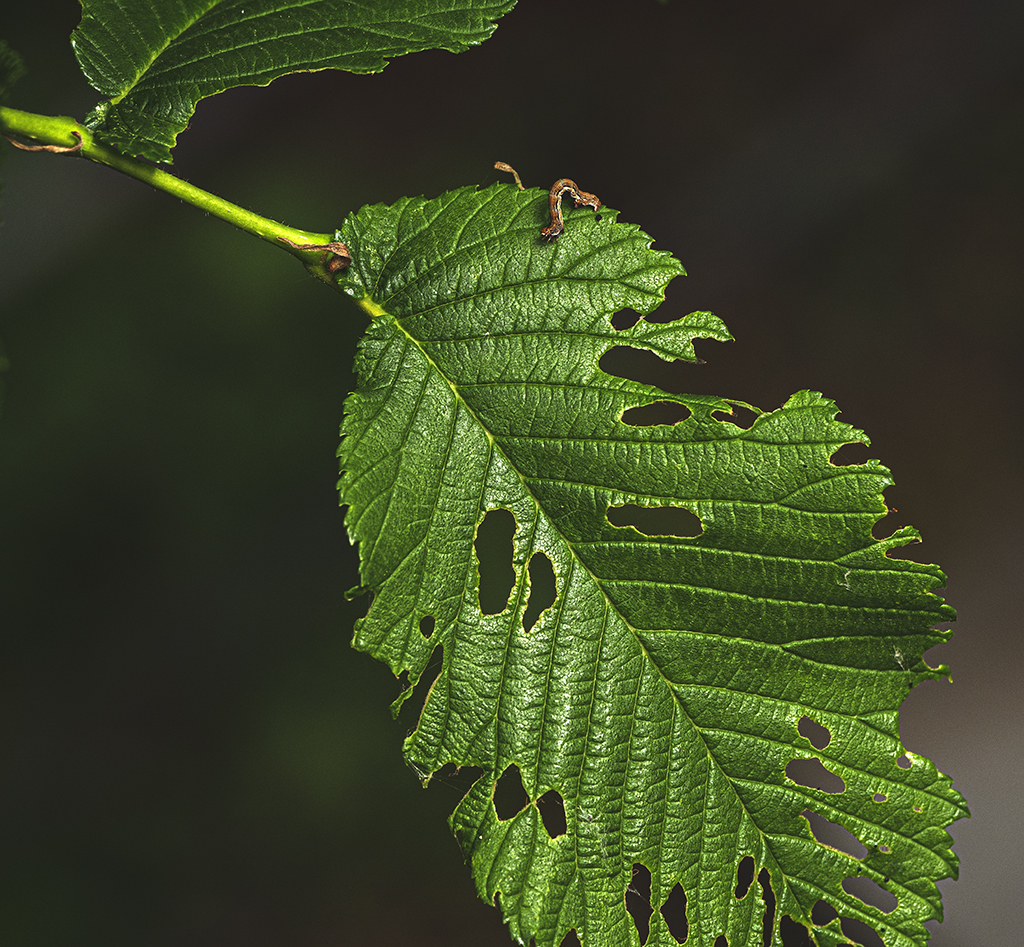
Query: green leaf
155, 61
662, 694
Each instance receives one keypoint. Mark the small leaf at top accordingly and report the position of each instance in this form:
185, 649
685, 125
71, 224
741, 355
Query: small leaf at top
665, 692
155, 61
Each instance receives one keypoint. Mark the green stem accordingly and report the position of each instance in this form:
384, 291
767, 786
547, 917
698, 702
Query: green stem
66, 132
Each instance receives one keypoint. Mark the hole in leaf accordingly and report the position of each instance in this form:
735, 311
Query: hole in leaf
917, 809
625, 319
570, 940
903, 762
744, 877
542, 589
812, 773
552, 813
880, 797
658, 412
835, 836
493, 546
794, 934
427, 625
641, 365
883, 529
823, 913
764, 879
884, 849
819, 736
860, 933
411, 711
657, 520
674, 913
509, 796
638, 900
721, 941
850, 455
741, 416
458, 779
870, 893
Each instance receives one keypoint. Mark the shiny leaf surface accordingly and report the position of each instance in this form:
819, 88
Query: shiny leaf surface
155, 61
665, 693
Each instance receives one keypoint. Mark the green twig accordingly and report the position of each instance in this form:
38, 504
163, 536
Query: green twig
317, 251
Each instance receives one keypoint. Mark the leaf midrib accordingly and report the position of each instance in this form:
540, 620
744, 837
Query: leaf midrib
144, 70
609, 607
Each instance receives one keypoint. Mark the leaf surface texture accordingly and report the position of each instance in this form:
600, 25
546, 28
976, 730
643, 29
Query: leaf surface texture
661, 695
155, 61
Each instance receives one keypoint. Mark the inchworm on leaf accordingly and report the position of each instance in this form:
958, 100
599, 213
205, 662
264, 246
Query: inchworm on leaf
561, 187
580, 198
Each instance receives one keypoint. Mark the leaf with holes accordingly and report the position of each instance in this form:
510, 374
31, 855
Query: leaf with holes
156, 61
716, 672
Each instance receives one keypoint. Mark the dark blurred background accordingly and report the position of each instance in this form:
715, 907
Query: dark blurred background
191, 752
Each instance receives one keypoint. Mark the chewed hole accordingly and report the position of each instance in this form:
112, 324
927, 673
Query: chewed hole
625, 319
917, 809
509, 796
835, 836
812, 773
794, 934
552, 813
819, 736
903, 762
721, 941
850, 455
740, 415
657, 520
870, 893
641, 365
823, 913
674, 913
884, 849
658, 412
880, 797
427, 625
459, 779
542, 589
638, 900
493, 546
411, 710
744, 877
860, 933
570, 940
764, 879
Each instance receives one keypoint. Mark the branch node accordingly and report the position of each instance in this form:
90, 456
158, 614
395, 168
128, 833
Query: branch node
336, 255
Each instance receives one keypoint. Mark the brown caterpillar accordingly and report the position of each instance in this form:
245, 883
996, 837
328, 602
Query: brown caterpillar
561, 187
580, 198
